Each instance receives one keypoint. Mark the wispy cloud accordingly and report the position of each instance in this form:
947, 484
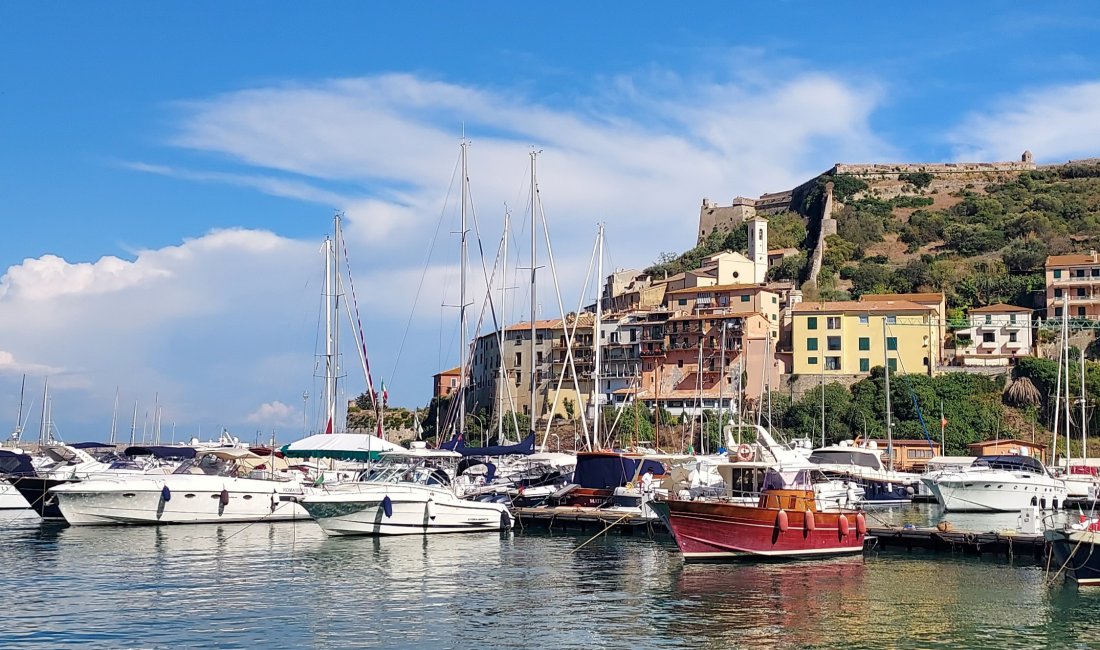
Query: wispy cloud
1055, 123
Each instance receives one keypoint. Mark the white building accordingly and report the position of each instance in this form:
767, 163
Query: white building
997, 335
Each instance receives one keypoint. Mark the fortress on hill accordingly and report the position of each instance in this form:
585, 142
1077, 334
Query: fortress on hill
949, 177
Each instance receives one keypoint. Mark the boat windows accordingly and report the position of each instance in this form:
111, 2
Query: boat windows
206, 465
845, 457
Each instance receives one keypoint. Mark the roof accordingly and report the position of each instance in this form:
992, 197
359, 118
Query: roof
913, 442
717, 287
1069, 260
1007, 441
457, 370
911, 297
999, 309
862, 305
782, 251
586, 320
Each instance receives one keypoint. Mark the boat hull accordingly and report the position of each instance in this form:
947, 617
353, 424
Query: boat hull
36, 491
10, 499
707, 530
996, 493
1077, 552
97, 503
362, 510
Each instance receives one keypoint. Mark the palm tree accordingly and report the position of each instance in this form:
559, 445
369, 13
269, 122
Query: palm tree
1022, 393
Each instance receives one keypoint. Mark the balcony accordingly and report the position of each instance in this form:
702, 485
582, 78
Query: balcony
1074, 281
657, 351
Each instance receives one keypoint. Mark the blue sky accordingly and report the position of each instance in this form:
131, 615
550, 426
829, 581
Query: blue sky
205, 144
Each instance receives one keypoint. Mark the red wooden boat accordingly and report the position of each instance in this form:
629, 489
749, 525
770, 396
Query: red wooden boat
784, 524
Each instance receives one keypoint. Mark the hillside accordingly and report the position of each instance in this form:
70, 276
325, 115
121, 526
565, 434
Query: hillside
979, 236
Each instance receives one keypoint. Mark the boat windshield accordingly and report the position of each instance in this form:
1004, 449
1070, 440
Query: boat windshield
846, 457
421, 475
797, 480
208, 465
1011, 463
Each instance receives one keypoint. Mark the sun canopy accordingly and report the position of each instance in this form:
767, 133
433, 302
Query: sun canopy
92, 445
159, 451
340, 446
524, 448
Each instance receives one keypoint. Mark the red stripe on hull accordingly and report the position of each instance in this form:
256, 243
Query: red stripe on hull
712, 530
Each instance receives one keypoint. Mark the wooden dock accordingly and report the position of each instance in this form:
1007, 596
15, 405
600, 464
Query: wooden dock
1010, 544
586, 519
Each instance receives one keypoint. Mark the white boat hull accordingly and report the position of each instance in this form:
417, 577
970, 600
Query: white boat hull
996, 493
192, 500
361, 509
10, 499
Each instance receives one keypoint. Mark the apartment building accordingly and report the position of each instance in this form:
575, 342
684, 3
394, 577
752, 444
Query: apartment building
727, 299
1073, 286
997, 335
851, 337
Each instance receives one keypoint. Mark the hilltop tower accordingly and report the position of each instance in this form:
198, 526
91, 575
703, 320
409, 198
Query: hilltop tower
758, 246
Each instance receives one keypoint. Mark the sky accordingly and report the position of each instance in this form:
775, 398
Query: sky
169, 171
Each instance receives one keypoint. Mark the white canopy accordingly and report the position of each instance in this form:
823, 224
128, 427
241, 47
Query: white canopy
343, 446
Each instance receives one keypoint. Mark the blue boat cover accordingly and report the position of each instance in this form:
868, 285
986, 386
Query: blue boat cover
158, 451
15, 463
524, 448
1010, 463
91, 445
609, 471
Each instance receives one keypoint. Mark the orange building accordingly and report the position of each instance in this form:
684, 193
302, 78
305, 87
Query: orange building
446, 382
1010, 447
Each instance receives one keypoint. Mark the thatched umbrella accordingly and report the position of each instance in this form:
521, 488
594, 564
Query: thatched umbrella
1022, 392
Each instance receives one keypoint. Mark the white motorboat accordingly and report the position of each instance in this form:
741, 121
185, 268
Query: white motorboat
408, 493
863, 466
998, 484
217, 486
10, 499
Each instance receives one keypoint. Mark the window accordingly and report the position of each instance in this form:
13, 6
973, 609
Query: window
519, 358
1012, 319
864, 319
454, 382
891, 343
1057, 311
1080, 273
833, 343
864, 365
811, 344
893, 363
775, 317
1012, 337
538, 356
811, 323
745, 297
633, 336
682, 301
1057, 273
924, 362
864, 343
812, 361
1057, 293
1080, 311
987, 337
1096, 273
988, 319
832, 363
1081, 292
891, 320
918, 453
775, 300
679, 363
832, 322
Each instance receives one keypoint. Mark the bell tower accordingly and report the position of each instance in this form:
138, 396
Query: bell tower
758, 246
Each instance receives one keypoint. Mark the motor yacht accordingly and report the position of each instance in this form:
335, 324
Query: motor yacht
998, 484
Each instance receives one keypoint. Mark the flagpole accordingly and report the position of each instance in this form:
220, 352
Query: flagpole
943, 432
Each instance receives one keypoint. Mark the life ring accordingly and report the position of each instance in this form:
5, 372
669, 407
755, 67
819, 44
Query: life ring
744, 452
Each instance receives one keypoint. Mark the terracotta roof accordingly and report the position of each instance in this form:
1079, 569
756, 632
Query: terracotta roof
457, 370
1070, 260
726, 316
912, 297
717, 287
999, 309
784, 251
556, 323
859, 306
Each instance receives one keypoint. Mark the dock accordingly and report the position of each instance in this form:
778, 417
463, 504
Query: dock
585, 519
1007, 543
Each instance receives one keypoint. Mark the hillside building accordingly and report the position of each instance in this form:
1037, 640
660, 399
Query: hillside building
997, 335
1073, 286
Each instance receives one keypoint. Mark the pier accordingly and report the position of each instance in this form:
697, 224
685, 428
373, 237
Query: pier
586, 519
1008, 543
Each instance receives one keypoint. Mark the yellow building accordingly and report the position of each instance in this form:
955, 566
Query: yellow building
847, 338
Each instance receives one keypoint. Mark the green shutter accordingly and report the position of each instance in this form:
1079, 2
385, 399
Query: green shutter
864, 365
864, 343
811, 323
893, 365
892, 343
811, 344
812, 361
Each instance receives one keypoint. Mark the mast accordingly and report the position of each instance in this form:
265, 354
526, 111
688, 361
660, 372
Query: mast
534, 266
18, 433
1084, 422
889, 424
156, 418
1068, 424
42, 428
502, 375
596, 335
330, 327
114, 417
462, 341
1058, 390
133, 424
721, 391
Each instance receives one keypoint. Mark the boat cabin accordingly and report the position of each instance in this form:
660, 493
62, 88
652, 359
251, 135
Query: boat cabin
1011, 463
869, 457
791, 490
1011, 446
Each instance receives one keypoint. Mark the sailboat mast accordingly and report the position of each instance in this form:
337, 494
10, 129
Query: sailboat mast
534, 267
596, 336
1058, 392
19, 416
462, 342
501, 386
114, 417
889, 423
1065, 351
133, 424
1084, 422
45, 412
330, 343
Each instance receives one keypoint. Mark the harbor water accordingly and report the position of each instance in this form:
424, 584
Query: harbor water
286, 586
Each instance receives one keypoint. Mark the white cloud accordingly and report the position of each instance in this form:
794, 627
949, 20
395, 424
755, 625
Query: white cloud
1055, 123
9, 364
273, 413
